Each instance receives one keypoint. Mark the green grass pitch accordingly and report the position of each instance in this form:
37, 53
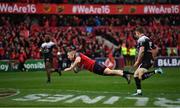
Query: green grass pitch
86, 89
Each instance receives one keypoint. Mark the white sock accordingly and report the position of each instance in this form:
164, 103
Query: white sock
139, 91
155, 71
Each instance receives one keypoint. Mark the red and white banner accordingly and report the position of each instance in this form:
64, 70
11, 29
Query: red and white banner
18, 8
161, 9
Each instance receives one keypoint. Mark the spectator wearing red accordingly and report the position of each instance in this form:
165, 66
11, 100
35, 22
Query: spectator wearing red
163, 51
13, 55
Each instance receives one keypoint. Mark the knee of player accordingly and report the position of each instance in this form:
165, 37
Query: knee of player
136, 75
140, 76
107, 71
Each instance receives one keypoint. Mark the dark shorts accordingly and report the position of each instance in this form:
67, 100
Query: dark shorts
99, 68
48, 59
147, 61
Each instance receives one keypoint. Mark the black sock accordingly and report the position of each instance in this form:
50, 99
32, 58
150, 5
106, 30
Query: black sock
127, 72
56, 70
124, 75
138, 82
49, 79
147, 75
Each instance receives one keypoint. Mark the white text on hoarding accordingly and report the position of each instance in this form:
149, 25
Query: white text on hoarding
174, 9
91, 9
28, 8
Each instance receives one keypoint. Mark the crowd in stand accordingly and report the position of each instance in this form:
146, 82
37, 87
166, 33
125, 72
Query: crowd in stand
98, 1
27, 33
118, 20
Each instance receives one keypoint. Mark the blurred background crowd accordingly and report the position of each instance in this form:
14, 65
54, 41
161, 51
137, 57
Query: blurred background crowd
21, 36
27, 33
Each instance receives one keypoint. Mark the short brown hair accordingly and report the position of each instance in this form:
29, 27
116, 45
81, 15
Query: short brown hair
139, 29
72, 52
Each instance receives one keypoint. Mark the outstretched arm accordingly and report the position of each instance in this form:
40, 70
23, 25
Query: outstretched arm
77, 60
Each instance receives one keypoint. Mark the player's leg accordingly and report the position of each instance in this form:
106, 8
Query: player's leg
138, 73
151, 73
24, 67
49, 68
58, 70
122, 73
48, 72
142, 74
20, 67
103, 70
147, 63
108, 71
60, 66
52, 70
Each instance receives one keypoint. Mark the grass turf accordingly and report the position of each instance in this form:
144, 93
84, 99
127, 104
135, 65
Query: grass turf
88, 84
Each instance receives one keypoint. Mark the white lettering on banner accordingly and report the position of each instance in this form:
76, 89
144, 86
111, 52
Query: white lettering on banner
160, 62
91, 9
111, 100
141, 101
168, 62
173, 9
4, 67
14, 8
56, 98
85, 99
24, 10
38, 65
163, 102
31, 97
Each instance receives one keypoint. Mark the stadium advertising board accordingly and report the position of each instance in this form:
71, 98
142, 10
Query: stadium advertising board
167, 62
11, 65
87, 9
160, 62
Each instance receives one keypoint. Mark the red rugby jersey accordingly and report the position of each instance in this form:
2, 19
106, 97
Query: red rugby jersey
86, 62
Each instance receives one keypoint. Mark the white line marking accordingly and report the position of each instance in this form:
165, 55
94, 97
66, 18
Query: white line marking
17, 92
97, 92
105, 92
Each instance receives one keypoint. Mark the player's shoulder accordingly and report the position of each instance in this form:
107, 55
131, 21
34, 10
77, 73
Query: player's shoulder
78, 54
81, 55
143, 39
43, 44
50, 43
